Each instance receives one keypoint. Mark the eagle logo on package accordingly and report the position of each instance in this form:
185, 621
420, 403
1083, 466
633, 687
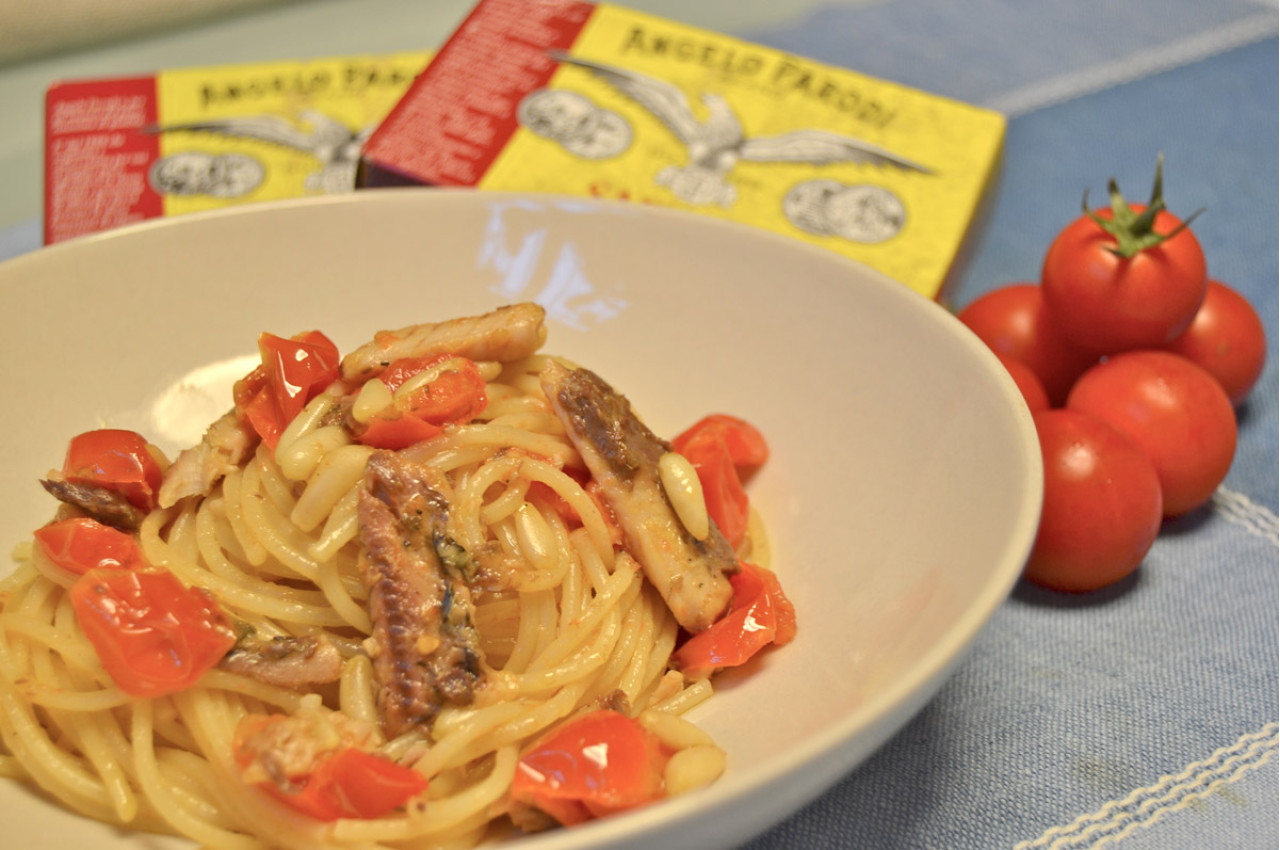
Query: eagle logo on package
716, 144
335, 145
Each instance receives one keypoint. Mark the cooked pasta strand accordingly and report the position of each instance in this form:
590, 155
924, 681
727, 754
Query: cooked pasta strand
564, 618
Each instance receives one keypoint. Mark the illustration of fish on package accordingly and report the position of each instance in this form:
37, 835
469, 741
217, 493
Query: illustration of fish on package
600, 101
122, 150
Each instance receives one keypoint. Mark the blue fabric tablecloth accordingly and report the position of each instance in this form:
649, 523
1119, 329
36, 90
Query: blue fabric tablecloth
1143, 716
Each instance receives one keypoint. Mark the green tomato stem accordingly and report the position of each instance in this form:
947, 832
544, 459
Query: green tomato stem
1135, 232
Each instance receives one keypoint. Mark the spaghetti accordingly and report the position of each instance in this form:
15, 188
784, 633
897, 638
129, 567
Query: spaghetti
277, 534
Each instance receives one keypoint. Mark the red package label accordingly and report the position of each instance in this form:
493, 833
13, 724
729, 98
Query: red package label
465, 108
91, 132
196, 139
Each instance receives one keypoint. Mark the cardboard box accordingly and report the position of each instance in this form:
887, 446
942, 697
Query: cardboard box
130, 149
596, 100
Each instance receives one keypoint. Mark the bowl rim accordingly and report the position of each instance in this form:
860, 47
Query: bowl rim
825, 754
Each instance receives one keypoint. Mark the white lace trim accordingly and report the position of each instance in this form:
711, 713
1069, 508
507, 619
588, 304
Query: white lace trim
1253, 518
1144, 63
1145, 806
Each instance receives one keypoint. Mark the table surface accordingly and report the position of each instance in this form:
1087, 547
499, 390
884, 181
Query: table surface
1144, 716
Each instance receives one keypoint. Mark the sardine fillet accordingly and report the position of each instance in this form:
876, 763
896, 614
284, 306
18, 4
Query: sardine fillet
101, 503
506, 334
424, 646
287, 662
226, 445
622, 455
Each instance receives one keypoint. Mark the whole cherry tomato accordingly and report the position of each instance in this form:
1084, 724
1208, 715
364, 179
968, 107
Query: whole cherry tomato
1175, 411
1013, 322
1102, 504
1226, 339
1124, 278
1029, 384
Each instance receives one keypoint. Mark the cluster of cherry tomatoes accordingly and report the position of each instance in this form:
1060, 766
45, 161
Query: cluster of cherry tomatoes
1132, 361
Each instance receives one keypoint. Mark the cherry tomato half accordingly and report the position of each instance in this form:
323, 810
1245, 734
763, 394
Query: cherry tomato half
1102, 504
397, 431
747, 446
1175, 412
1014, 322
81, 544
293, 371
760, 614
1226, 339
597, 764
153, 635
299, 368
727, 503
352, 783
118, 460
456, 395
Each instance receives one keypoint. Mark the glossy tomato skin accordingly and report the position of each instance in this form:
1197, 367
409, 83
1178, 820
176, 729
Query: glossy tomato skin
456, 395
1104, 303
1177, 414
352, 783
292, 372
299, 368
726, 499
760, 614
747, 446
117, 460
1102, 504
565, 776
1226, 339
1014, 322
1029, 384
153, 635
80, 544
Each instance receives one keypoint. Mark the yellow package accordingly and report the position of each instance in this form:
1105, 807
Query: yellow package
597, 100
129, 149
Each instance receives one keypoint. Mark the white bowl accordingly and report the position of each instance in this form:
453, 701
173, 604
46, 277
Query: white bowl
902, 495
